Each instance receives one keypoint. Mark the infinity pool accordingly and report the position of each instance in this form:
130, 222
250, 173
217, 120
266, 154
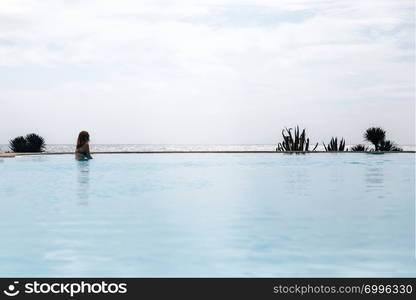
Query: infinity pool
237, 215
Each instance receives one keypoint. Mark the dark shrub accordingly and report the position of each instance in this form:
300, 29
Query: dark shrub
333, 145
296, 142
389, 146
18, 144
35, 143
376, 136
359, 148
31, 143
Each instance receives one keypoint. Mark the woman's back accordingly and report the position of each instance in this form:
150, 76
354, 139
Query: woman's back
83, 148
83, 152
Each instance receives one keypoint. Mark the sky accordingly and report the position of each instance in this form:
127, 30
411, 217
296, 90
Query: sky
206, 71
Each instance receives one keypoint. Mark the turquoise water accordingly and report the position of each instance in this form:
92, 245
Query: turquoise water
208, 215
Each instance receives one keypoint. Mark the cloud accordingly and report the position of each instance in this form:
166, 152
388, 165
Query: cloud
236, 71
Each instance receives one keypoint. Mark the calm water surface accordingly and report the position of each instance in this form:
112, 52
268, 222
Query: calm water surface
208, 215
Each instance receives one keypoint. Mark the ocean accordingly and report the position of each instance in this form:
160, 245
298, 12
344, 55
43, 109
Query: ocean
172, 147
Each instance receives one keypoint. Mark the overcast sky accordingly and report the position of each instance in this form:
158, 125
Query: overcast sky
206, 71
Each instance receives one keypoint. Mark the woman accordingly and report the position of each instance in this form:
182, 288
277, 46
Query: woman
83, 147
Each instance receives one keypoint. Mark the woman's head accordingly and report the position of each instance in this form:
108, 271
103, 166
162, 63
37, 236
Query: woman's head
83, 138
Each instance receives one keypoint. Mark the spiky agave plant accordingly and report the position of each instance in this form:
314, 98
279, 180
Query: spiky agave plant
35, 143
333, 145
376, 136
389, 146
296, 142
18, 144
359, 148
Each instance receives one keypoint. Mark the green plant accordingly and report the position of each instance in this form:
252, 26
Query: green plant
333, 145
376, 136
295, 142
389, 146
31, 143
18, 144
360, 148
35, 143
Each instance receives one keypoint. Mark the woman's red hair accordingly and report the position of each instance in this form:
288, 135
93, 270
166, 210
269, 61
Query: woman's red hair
83, 138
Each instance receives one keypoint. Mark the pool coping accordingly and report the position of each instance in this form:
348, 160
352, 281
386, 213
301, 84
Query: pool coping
11, 155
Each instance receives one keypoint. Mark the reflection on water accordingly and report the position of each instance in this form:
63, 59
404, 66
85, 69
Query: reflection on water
83, 182
297, 181
374, 179
39, 158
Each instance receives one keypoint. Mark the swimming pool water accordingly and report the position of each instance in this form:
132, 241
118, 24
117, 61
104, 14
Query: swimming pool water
224, 215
